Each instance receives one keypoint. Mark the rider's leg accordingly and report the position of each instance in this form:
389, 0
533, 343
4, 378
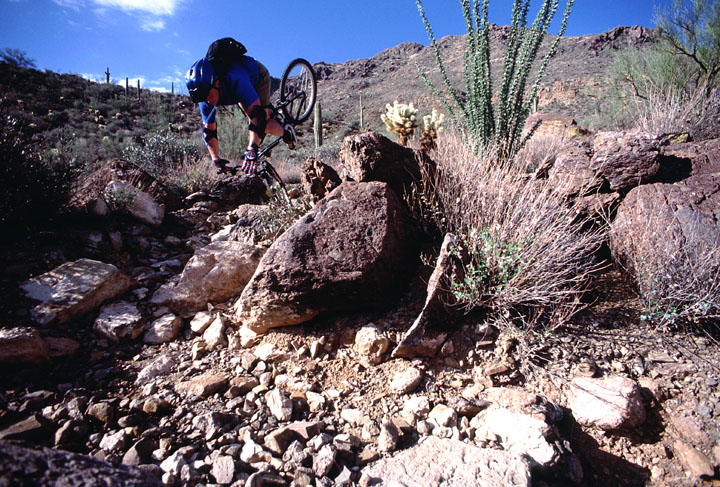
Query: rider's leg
271, 126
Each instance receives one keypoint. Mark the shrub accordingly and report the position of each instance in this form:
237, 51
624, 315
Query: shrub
33, 188
232, 132
160, 152
401, 119
17, 58
529, 256
674, 86
475, 117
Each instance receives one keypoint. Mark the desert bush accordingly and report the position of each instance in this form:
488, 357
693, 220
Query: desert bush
529, 256
189, 178
677, 280
33, 188
16, 57
162, 151
280, 216
480, 121
675, 85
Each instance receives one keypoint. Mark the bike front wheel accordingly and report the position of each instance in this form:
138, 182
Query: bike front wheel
298, 87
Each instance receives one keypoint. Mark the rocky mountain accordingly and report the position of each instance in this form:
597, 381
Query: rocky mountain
576, 84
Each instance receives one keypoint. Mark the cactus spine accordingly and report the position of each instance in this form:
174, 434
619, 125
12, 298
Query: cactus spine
401, 119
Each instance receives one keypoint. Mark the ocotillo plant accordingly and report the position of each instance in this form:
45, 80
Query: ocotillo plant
401, 119
474, 116
432, 126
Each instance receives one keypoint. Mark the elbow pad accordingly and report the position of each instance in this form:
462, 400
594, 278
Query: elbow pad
208, 135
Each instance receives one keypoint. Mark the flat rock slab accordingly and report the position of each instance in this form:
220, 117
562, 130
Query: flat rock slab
73, 289
50, 468
22, 346
437, 462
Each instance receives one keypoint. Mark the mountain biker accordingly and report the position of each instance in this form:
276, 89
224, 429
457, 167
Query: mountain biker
247, 82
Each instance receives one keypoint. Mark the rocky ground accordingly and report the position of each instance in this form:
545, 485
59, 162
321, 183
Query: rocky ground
136, 369
324, 404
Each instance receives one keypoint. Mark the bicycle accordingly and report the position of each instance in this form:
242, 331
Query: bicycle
298, 91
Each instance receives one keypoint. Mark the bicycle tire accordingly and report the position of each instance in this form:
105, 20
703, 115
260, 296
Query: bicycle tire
274, 175
298, 77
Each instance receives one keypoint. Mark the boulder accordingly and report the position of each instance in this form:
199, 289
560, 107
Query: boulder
232, 192
373, 157
47, 468
679, 161
73, 289
571, 173
614, 162
607, 403
318, 179
120, 320
625, 159
121, 170
214, 274
127, 197
22, 346
354, 249
450, 463
660, 223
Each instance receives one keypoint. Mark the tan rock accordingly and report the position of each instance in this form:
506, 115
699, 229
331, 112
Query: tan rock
73, 289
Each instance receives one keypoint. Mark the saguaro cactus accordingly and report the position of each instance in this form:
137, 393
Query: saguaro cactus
401, 119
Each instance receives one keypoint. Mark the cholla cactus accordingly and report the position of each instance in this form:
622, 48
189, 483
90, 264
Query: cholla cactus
401, 119
432, 126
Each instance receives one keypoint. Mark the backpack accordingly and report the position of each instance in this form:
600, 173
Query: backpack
222, 53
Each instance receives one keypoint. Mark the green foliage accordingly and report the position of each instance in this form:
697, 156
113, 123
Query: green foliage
33, 188
232, 132
160, 152
674, 86
690, 30
474, 115
120, 199
495, 262
17, 58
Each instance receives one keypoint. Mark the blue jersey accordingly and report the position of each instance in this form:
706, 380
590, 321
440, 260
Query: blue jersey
237, 86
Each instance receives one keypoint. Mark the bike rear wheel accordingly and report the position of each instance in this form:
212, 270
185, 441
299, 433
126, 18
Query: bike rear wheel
298, 85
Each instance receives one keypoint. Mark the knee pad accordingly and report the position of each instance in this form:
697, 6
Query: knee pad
208, 135
258, 113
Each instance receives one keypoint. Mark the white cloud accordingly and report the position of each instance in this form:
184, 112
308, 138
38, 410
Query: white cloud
151, 14
154, 7
152, 24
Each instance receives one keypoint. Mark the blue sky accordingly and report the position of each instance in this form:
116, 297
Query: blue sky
157, 40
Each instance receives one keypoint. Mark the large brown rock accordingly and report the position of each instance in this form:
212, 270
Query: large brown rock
692, 158
373, 157
625, 160
73, 289
614, 162
122, 170
659, 222
214, 274
355, 248
22, 346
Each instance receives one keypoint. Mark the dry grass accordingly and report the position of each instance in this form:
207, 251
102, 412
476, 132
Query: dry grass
678, 281
677, 111
529, 255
